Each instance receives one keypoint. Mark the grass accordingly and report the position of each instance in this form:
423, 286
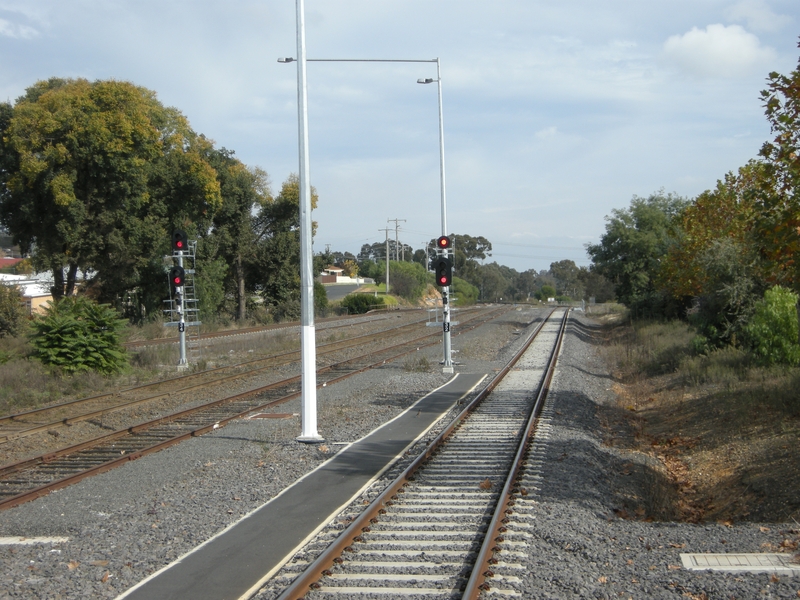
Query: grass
724, 429
417, 364
26, 383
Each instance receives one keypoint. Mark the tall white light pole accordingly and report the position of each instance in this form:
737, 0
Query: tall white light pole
448, 361
308, 379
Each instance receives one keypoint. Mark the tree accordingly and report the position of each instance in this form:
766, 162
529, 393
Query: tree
777, 202
407, 279
94, 177
629, 253
275, 270
725, 212
242, 191
12, 311
464, 293
595, 285
567, 276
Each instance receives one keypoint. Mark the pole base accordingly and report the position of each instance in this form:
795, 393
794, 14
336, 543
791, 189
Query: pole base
448, 369
310, 439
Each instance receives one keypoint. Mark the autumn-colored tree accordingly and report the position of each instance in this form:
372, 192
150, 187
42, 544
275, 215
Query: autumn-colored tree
777, 203
725, 212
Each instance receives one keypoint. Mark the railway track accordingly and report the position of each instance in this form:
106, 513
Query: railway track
64, 414
451, 525
25, 480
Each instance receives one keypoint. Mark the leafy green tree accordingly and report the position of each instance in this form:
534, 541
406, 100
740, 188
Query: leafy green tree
242, 190
595, 285
567, 275
12, 312
546, 291
465, 293
773, 329
493, 282
408, 280
629, 253
731, 290
275, 270
95, 176
78, 335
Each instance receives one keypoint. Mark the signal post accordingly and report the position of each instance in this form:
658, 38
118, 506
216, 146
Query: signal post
443, 268
177, 278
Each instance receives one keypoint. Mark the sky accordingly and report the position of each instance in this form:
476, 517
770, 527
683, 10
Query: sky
555, 113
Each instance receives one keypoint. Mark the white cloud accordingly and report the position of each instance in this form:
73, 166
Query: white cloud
717, 51
12, 30
758, 16
546, 133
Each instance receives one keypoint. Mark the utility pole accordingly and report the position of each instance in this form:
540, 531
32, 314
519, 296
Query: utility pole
396, 239
387, 258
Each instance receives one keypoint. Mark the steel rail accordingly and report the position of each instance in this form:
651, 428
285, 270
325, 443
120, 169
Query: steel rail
481, 572
243, 331
35, 411
328, 348
142, 427
320, 567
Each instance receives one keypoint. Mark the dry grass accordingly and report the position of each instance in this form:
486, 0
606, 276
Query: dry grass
725, 431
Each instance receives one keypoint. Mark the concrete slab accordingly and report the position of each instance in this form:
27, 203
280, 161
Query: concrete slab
737, 563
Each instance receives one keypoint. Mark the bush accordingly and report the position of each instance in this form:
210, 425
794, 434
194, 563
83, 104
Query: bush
464, 292
77, 335
358, 304
772, 330
12, 313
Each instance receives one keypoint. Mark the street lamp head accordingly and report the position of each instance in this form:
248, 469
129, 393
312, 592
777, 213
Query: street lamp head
288, 59
428, 80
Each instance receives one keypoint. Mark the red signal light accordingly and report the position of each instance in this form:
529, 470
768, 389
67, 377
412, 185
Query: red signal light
443, 242
444, 272
177, 277
179, 240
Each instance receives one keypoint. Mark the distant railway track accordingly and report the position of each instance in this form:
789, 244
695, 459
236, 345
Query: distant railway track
64, 414
448, 526
25, 480
330, 323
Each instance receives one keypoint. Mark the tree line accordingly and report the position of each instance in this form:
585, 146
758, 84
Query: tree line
95, 176
726, 260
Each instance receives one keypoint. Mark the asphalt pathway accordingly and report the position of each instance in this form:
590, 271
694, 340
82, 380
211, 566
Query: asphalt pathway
235, 563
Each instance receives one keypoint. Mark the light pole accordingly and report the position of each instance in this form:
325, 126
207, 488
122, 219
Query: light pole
448, 362
308, 350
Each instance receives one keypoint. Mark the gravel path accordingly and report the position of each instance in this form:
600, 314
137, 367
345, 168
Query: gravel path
125, 524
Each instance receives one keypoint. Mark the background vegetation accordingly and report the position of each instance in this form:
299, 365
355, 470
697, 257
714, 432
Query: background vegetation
726, 261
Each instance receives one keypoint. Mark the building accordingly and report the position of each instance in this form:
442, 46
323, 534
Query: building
34, 290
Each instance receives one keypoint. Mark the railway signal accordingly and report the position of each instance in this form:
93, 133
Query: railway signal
443, 243
177, 276
444, 271
179, 240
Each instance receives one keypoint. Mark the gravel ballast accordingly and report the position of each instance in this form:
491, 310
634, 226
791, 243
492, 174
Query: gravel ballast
128, 523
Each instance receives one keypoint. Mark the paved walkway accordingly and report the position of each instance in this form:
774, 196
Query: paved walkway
235, 563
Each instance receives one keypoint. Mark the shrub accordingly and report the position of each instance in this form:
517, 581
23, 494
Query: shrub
12, 312
358, 304
77, 335
772, 330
